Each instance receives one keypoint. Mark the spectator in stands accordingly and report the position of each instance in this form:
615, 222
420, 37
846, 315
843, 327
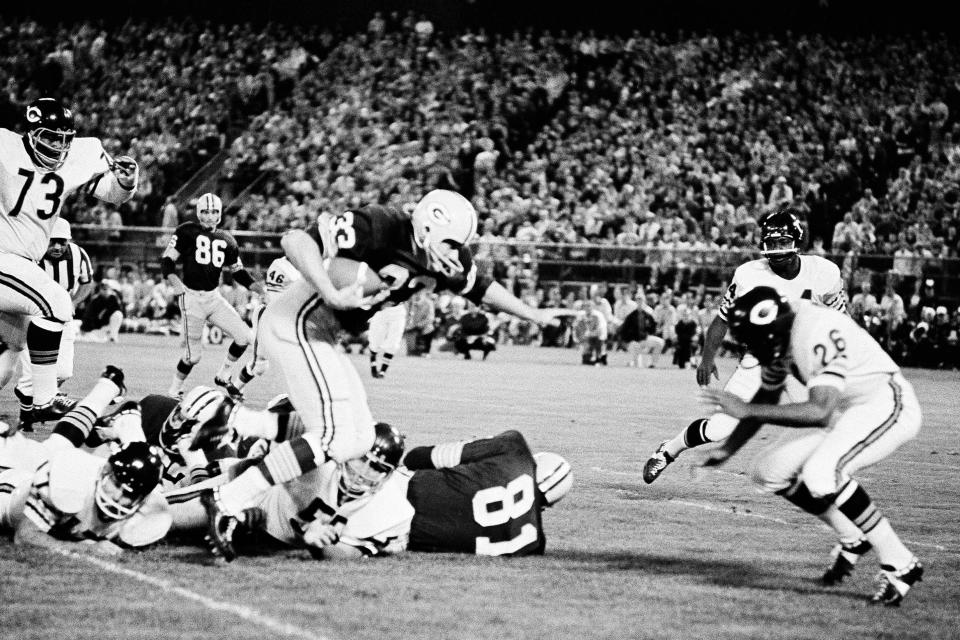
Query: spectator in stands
103, 315
639, 332
686, 334
863, 303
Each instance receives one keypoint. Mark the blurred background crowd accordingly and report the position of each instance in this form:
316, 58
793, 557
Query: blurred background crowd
612, 171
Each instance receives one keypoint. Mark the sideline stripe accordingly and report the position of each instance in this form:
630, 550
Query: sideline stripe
246, 613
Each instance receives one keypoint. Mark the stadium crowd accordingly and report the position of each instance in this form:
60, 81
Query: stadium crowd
661, 149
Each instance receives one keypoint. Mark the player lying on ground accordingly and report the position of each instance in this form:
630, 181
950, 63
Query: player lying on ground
300, 330
53, 493
861, 409
483, 496
798, 277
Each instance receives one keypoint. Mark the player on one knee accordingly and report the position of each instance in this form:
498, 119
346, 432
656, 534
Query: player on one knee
865, 409
204, 252
38, 172
69, 266
798, 277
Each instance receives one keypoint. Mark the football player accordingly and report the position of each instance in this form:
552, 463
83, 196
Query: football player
280, 275
54, 492
798, 277
69, 265
39, 170
300, 329
204, 252
483, 496
865, 409
385, 335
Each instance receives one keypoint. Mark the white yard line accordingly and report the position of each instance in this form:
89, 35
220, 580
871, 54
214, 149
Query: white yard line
240, 611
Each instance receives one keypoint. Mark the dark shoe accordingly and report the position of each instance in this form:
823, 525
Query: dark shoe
25, 422
657, 463
220, 527
53, 410
228, 386
844, 559
115, 375
895, 584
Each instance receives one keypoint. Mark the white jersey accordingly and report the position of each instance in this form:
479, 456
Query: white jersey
280, 275
818, 280
828, 348
30, 199
371, 523
61, 501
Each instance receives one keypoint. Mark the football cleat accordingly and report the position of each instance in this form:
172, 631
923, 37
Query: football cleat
214, 430
59, 406
659, 461
895, 584
115, 375
844, 559
231, 389
220, 527
25, 421
375, 372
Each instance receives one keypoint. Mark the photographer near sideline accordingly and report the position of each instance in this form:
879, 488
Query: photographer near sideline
473, 333
102, 316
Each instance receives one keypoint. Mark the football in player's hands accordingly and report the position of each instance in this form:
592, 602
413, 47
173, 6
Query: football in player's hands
345, 272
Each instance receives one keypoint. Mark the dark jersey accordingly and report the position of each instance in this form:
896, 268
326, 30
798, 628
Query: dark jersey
204, 254
484, 500
383, 238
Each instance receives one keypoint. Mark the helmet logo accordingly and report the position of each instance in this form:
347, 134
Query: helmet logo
440, 215
764, 312
33, 114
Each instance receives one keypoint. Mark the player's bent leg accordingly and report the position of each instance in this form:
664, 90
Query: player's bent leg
865, 434
74, 427
227, 318
258, 363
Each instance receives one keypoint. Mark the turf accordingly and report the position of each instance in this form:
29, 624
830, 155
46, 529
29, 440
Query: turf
697, 554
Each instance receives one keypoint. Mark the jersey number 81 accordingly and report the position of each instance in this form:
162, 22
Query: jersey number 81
496, 506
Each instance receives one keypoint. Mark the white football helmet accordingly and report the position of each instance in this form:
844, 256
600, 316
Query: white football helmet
554, 476
443, 222
209, 210
198, 406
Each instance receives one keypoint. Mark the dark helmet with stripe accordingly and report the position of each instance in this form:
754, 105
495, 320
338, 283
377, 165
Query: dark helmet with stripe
50, 132
364, 475
761, 320
554, 476
127, 479
781, 235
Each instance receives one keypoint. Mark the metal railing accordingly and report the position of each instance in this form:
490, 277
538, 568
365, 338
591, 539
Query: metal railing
556, 263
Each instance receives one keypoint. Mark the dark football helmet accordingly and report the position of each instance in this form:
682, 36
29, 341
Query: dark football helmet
761, 320
781, 235
127, 479
50, 132
363, 476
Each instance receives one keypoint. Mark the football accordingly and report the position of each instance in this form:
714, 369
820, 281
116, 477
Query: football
346, 271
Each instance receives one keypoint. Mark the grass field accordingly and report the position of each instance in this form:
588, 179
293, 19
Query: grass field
698, 554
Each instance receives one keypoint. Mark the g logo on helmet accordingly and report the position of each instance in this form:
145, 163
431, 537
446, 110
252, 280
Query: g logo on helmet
440, 215
33, 114
763, 313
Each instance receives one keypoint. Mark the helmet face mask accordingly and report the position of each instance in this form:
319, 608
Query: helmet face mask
198, 406
209, 210
50, 133
781, 236
129, 476
365, 475
444, 222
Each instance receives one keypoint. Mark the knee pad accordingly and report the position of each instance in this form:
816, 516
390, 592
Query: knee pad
769, 478
719, 427
820, 481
